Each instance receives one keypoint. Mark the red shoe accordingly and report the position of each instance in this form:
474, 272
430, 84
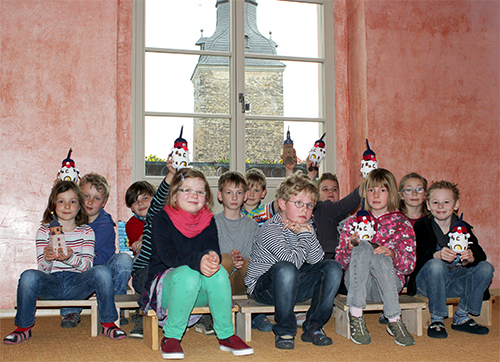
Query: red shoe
17, 337
171, 348
235, 345
113, 333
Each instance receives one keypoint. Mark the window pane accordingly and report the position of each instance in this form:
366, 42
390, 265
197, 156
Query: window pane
186, 83
178, 24
288, 89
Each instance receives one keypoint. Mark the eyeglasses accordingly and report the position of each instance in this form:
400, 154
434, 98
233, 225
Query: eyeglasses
300, 204
194, 192
418, 190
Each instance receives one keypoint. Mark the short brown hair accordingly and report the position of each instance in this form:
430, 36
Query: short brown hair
447, 185
235, 178
60, 187
138, 188
98, 182
255, 176
294, 185
328, 176
183, 174
380, 177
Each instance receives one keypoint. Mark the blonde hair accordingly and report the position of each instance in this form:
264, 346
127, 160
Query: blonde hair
294, 185
182, 175
381, 177
98, 182
402, 205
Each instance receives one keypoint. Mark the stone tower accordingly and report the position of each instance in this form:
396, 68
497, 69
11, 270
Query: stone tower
263, 92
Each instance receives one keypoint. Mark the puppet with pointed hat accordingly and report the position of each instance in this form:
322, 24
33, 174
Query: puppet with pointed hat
364, 225
180, 153
369, 161
68, 171
317, 153
459, 238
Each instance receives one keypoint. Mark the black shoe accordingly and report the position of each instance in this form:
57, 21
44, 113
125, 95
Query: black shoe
70, 320
382, 319
316, 337
285, 341
437, 330
137, 329
205, 325
471, 327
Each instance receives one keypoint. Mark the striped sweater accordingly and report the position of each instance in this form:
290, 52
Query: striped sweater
272, 244
81, 241
156, 206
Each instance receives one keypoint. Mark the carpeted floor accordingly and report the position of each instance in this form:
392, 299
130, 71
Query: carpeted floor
50, 343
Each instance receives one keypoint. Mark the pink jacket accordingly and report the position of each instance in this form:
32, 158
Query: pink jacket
394, 231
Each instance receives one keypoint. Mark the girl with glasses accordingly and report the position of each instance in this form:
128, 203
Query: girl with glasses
412, 192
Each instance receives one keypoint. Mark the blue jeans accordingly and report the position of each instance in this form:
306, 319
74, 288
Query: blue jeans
372, 277
437, 283
120, 266
283, 286
35, 284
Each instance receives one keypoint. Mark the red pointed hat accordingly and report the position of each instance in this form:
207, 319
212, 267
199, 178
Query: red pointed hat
68, 162
362, 215
181, 142
369, 154
459, 226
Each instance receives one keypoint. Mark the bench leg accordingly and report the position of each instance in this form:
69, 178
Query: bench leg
341, 322
413, 320
151, 331
485, 318
244, 326
94, 321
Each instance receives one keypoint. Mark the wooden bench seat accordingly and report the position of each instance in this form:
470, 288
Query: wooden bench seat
151, 328
249, 306
411, 312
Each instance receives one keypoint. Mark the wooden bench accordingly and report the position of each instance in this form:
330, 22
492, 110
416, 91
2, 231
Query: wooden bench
485, 318
125, 301
92, 303
249, 306
150, 325
411, 312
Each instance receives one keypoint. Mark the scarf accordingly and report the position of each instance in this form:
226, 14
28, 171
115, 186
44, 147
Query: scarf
188, 224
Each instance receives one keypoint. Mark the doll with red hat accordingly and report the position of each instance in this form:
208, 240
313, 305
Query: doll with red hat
369, 161
68, 171
317, 153
180, 153
364, 225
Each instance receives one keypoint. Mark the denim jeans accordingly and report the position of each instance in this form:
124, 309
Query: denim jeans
120, 266
185, 288
283, 286
372, 277
437, 283
35, 284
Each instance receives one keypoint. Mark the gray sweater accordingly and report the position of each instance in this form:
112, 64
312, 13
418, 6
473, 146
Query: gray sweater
236, 234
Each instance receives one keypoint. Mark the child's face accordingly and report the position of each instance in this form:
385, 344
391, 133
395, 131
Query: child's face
290, 211
329, 190
67, 206
94, 200
378, 199
141, 206
187, 200
255, 194
442, 204
231, 196
414, 199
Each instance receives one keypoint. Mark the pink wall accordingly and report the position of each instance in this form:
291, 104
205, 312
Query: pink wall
424, 88
65, 81
412, 76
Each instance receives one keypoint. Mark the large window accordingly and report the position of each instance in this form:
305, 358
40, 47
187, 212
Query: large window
235, 75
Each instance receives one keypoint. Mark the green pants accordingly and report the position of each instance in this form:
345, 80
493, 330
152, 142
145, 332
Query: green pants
185, 288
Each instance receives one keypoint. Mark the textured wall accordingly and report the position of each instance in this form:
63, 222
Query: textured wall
65, 69
424, 88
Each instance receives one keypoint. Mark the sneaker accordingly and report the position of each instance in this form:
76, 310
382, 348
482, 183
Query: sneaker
171, 348
437, 330
17, 337
316, 337
205, 325
401, 335
135, 317
113, 333
70, 320
470, 326
285, 341
382, 319
301, 318
357, 330
137, 329
235, 345
262, 323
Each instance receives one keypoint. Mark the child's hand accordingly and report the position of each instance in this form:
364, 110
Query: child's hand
49, 254
209, 264
447, 254
353, 241
384, 250
295, 226
290, 166
171, 170
312, 169
467, 257
136, 247
237, 259
63, 257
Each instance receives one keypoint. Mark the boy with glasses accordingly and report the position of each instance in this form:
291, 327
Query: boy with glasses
287, 267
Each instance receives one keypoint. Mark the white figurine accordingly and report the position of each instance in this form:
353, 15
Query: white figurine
369, 162
68, 171
180, 153
459, 237
364, 225
318, 152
